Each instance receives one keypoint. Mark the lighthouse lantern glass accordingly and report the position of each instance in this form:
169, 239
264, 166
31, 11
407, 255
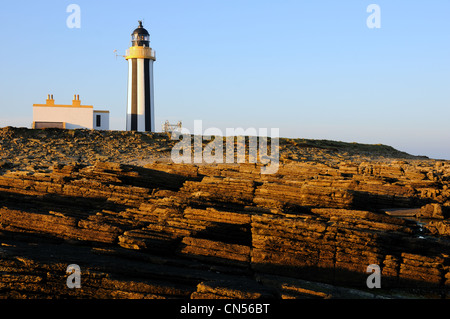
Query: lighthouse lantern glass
140, 40
138, 37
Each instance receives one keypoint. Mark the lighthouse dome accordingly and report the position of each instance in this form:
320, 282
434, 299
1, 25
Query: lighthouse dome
140, 36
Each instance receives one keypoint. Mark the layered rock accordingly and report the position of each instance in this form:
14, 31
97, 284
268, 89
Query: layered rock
167, 230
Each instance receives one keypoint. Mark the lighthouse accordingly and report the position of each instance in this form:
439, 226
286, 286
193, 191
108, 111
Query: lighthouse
140, 105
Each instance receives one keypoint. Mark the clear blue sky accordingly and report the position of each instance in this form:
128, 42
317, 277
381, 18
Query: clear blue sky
311, 68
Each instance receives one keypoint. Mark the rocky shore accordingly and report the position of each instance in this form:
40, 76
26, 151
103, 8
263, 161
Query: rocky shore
140, 226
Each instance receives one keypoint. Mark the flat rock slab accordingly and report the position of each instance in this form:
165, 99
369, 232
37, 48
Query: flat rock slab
402, 212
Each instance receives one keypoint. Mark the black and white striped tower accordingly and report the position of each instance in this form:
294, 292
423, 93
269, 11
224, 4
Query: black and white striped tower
140, 106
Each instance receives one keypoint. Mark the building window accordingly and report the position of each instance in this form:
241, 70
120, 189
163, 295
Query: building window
98, 120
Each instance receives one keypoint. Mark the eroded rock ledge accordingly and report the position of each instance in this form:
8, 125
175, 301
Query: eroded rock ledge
225, 231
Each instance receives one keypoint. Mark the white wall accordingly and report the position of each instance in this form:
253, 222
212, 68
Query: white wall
104, 121
75, 117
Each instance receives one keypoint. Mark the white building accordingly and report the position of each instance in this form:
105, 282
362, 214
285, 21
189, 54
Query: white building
69, 116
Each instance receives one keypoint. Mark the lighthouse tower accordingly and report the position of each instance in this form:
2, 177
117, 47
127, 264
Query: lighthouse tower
140, 106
